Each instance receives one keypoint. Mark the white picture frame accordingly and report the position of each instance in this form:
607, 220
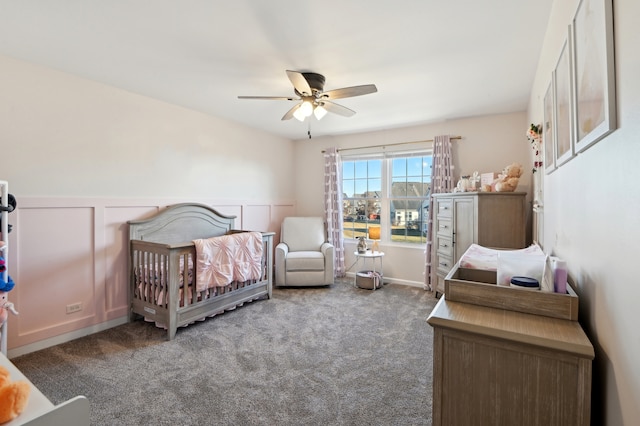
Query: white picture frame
548, 128
593, 72
563, 105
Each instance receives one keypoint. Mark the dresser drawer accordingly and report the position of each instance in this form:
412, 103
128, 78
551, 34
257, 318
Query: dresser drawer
444, 264
444, 207
444, 228
444, 245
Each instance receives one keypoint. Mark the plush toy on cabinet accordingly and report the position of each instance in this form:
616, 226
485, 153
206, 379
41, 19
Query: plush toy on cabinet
13, 396
508, 180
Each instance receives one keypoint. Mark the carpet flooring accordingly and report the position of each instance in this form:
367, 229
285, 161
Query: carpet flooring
336, 355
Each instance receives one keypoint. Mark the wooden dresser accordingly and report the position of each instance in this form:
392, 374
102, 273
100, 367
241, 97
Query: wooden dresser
491, 219
500, 367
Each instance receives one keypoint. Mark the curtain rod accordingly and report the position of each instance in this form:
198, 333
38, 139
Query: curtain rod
391, 144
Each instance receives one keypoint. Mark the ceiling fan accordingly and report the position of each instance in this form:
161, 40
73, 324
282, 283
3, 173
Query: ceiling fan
312, 99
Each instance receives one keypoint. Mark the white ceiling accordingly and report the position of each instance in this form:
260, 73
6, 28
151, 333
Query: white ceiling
430, 60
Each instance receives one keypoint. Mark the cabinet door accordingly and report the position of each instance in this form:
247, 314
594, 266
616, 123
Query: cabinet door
464, 225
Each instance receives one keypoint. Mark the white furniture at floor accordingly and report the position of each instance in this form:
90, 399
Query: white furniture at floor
303, 256
40, 411
363, 257
491, 219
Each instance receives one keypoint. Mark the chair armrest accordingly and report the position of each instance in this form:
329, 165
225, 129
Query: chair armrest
281, 254
328, 250
325, 247
282, 248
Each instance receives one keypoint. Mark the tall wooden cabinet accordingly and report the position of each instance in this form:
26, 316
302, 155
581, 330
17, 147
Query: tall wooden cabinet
491, 219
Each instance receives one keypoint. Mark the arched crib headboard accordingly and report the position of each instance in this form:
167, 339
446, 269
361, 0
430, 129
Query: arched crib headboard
181, 223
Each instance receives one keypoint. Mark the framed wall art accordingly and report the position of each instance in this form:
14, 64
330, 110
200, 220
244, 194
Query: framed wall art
564, 147
593, 72
548, 128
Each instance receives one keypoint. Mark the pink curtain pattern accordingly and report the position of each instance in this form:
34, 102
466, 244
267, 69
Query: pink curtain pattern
333, 206
441, 181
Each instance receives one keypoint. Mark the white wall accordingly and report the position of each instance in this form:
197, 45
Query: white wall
82, 159
591, 207
488, 144
65, 136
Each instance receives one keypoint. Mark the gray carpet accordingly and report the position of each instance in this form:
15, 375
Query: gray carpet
335, 355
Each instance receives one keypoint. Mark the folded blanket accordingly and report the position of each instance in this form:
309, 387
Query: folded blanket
479, 257
222, 260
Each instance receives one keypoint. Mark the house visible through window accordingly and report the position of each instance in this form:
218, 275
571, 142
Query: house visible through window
390, 193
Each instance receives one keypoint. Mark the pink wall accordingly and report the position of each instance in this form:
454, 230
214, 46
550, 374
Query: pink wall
68, 251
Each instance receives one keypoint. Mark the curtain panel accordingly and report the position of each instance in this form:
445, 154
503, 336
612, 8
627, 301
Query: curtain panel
333, 206
441, 181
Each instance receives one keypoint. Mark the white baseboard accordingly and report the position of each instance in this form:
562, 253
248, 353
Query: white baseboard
63, 338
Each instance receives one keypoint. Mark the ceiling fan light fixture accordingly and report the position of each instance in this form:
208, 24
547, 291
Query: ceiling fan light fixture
311, 98
306, 108
319, 112
299, 115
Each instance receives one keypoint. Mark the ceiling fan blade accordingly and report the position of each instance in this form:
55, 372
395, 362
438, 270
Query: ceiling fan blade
338, 109
289, 114
299, 83
349, 92
274, 98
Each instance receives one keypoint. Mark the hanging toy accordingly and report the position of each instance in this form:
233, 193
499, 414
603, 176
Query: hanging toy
5, 288
5, 307
5, 285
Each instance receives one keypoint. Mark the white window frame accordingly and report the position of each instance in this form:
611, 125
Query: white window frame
386, 196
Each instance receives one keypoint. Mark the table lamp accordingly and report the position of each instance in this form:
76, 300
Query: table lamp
374, 234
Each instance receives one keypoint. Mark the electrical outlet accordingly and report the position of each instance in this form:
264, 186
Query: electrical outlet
74, 307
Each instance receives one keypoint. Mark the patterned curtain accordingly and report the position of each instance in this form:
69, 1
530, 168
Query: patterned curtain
441, 181
333, 206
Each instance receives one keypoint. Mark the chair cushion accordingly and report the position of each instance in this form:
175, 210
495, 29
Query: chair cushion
305, 261
303, 233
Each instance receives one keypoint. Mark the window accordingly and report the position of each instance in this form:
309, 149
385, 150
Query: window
391, 194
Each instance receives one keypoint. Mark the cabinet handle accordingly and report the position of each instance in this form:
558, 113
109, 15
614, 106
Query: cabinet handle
443, 264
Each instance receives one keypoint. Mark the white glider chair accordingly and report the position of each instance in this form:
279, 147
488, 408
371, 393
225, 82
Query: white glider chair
303, 256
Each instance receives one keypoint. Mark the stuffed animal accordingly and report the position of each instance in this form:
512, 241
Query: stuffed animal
5, 287
13, 396
8, 284
508, 180
5, 307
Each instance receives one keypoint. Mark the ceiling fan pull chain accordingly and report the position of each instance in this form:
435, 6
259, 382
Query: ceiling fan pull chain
309, 128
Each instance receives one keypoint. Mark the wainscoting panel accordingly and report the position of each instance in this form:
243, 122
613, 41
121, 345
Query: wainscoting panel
256, 217
69, 257
52, 262
112, 297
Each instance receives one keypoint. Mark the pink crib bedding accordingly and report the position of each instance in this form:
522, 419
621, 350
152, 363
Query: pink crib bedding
219, 262
228, 258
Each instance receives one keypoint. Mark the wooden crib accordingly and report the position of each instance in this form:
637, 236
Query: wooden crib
162, 269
